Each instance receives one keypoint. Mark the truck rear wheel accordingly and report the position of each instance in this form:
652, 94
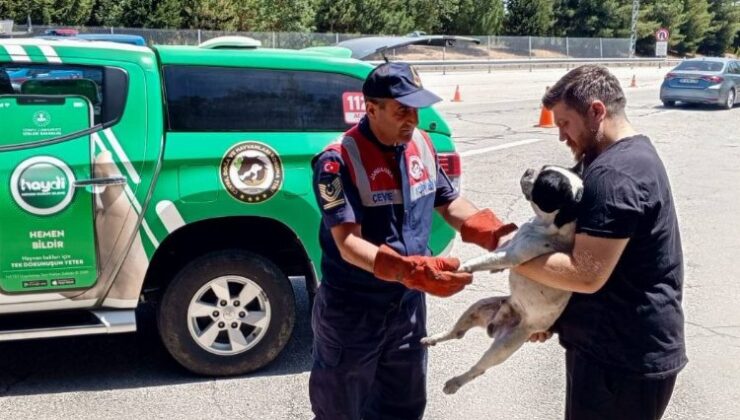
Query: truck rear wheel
227, 313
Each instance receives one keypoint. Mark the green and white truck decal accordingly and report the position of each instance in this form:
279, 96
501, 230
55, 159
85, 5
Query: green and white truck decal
47, 241
179, 174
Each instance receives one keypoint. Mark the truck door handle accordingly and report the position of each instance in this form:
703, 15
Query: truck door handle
101, 182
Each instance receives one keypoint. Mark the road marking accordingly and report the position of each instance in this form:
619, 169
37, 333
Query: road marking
499, 147
655, 113
667, 111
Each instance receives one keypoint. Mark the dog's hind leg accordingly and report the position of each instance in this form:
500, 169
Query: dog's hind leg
480, 314
507, 341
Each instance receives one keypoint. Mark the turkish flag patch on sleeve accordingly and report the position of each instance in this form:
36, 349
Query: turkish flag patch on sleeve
331, 167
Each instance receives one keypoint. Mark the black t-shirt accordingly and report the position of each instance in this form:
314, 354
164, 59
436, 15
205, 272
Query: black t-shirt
635, 323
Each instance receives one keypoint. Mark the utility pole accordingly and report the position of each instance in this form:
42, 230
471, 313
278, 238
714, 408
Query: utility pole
633, 32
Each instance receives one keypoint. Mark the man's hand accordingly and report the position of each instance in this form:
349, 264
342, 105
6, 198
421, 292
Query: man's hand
540, 336
485, 229
433, 275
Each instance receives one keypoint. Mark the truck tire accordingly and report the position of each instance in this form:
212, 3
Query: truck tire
227, 313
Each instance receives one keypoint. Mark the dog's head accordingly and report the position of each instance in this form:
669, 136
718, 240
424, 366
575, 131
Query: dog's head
554, 193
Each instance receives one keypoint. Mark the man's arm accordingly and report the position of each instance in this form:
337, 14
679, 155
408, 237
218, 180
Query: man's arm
584, 270
353, 248
457, 211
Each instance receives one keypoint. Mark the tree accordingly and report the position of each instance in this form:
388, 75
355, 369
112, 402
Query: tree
475, 17
592, 18
10, 9
71, 12
135, 13
107, 13
529, 17
655, 14
695, 27
38, 10
336, 16
285, 15
166, 14
47, 12
216, 15
365, 16
724, 28
434, 16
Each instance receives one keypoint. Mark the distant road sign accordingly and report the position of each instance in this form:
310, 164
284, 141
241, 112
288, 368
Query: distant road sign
661, 49
662, 34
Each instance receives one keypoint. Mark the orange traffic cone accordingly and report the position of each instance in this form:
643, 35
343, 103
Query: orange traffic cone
457, 98
634, 81
547, 118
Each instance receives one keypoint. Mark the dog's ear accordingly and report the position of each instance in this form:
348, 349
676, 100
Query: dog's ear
579, 168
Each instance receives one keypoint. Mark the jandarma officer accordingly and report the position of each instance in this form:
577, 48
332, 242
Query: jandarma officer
378, 188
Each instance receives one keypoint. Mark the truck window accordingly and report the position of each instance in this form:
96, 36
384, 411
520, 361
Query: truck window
201, 98
104, 87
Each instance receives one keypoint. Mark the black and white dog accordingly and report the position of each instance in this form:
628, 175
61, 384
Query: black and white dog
554, 193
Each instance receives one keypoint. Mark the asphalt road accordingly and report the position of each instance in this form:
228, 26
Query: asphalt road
131, 376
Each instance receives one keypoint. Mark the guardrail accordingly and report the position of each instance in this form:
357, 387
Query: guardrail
537, 62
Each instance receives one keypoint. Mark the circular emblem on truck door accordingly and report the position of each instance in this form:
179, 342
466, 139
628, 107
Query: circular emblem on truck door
42, 185
251, 172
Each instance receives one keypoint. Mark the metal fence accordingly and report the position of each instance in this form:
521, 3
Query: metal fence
490, 46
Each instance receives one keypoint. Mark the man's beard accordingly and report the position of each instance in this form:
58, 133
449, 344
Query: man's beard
590, 144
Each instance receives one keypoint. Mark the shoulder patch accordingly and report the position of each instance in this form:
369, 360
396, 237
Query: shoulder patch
331, 193
331, 167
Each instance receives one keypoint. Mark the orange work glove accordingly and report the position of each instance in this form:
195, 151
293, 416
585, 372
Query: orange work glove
432, 275
485, 229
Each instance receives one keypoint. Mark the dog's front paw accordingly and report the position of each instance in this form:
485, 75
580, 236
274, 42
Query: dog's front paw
452, 386
494, 261
428, 341
466, 267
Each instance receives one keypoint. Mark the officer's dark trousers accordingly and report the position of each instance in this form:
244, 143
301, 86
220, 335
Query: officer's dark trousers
368, 362
597, 394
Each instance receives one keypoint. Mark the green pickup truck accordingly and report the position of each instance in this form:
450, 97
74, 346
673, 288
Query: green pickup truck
176, 175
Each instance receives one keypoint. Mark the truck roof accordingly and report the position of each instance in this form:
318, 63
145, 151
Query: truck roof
318, 59
72, 42
54, 50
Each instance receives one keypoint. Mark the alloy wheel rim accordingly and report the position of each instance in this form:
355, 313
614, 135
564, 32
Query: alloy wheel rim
229, 315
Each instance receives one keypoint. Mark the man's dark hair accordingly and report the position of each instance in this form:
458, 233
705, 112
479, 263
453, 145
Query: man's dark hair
585, 84
380, 102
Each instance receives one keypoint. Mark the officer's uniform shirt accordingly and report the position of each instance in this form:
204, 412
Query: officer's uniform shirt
397, 211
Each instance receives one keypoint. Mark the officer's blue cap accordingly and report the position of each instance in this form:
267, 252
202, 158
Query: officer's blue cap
398, 81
